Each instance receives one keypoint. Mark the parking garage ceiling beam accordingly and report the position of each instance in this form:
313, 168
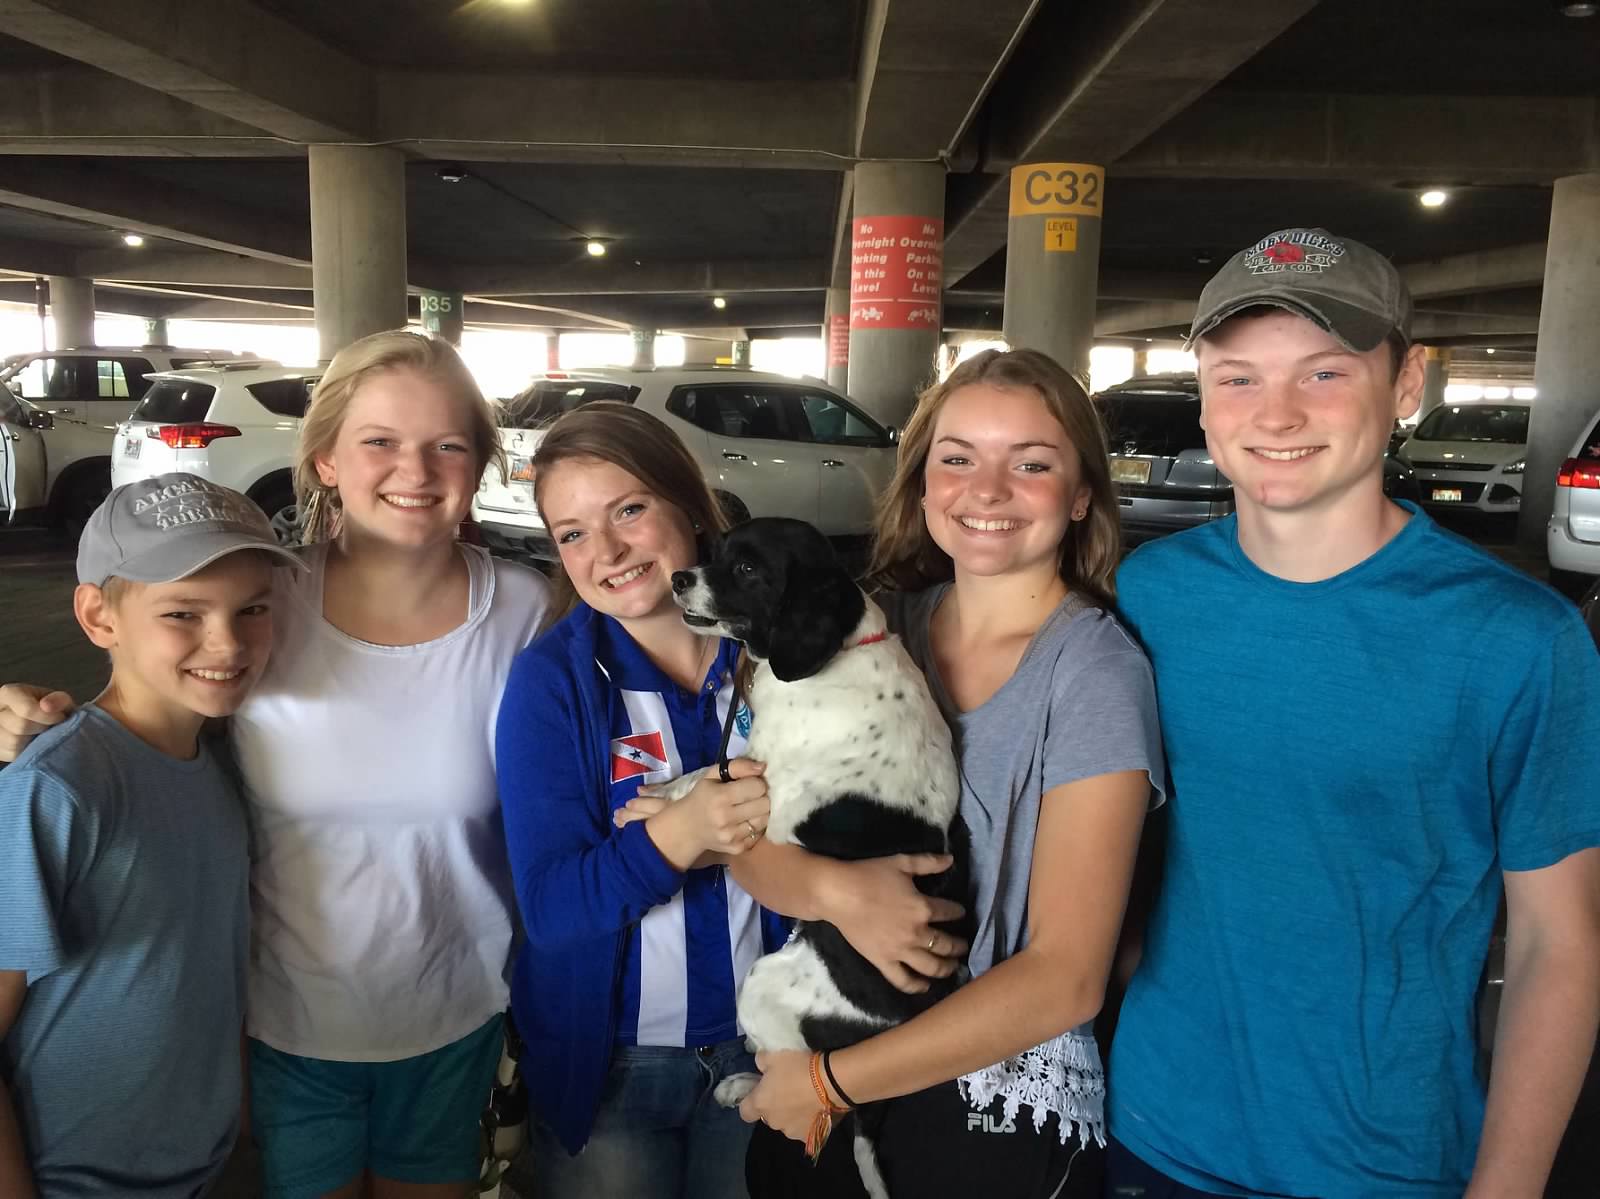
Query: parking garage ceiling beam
1485, 270
926, 65
116, 201
540, 117
75, 109
1416, 140
614, 276
202, 267
1092, 81
36, 258
229, 57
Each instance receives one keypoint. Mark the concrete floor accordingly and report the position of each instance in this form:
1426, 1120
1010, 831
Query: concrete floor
40, 642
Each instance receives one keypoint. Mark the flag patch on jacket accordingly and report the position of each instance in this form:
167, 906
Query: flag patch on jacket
636, 754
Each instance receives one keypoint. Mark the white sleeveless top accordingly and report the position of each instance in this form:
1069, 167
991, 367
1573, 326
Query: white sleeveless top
381, 896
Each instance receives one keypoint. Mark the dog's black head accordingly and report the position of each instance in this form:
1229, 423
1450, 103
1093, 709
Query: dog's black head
776, 585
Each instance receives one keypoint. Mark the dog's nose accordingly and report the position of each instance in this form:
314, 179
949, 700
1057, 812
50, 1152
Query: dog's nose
682, 580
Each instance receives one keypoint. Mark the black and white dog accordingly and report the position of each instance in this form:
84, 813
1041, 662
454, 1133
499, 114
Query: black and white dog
859, 765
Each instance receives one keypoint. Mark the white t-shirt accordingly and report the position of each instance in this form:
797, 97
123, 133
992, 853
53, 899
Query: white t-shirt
382, 900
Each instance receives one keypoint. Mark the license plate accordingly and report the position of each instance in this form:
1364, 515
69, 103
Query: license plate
130, 447
1130, 470
1447, 495
521, 469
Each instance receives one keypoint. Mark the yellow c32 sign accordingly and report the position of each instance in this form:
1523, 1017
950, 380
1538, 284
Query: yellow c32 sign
1058, 189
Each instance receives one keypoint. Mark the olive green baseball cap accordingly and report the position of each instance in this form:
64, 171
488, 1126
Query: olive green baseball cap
1347, 288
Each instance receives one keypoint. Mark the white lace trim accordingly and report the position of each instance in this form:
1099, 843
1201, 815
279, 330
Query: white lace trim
1063, 1076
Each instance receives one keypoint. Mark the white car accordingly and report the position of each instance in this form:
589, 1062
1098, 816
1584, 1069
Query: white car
86, 391
235, 424
1470, 456
1572, 538
22, 462
769, 445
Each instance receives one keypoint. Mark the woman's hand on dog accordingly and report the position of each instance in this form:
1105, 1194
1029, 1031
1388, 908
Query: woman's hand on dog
876, 905
714, 818
784, 1099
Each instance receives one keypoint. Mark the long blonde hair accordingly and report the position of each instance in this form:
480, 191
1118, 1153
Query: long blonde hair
905, 557
379, 353
645, 447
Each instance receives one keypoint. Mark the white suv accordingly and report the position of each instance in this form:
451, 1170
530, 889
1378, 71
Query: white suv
1470, 455
235, 424
22, 471
86, 390
769, 445
1572, 539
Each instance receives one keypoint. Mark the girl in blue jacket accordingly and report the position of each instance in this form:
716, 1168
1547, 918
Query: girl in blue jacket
638, 937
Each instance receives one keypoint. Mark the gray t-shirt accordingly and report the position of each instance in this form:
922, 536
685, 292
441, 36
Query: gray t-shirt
1081, 703
124, 877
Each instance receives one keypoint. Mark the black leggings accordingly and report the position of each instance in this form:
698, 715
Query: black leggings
932, 1144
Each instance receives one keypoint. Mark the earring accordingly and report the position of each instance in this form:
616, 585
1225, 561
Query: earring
1080, 514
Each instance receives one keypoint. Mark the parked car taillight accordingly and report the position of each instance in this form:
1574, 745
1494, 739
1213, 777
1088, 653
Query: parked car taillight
1579, 472
194, 437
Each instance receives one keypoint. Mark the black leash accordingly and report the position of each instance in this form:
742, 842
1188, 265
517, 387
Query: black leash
727, 726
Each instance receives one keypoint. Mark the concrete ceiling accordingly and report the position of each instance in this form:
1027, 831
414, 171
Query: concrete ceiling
710, 140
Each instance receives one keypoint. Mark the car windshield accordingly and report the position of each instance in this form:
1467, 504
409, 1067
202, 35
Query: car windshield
1476, 422
1161, 426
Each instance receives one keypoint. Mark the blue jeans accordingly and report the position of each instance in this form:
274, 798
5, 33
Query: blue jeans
658, 1134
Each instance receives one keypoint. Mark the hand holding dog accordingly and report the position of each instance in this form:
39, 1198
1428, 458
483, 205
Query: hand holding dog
25, 712
877, 906
715, 817
784, 1099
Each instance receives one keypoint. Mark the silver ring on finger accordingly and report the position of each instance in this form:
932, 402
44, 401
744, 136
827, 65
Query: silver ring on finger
752, 828
931, 940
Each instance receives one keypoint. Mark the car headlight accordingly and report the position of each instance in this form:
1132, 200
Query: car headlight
1514, 468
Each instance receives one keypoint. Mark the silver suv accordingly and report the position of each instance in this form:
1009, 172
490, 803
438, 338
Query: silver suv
1163, 473
769, 445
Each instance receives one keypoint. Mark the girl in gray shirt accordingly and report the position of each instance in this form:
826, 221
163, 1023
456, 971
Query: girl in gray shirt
999, 538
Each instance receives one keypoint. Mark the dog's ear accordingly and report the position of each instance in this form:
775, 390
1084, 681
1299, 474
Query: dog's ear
819, 609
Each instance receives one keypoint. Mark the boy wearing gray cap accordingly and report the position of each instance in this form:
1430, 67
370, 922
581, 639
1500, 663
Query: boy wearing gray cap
1373, 727
124, 866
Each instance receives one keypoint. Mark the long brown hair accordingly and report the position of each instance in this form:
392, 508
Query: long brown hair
645, 447
905, 557
379, 353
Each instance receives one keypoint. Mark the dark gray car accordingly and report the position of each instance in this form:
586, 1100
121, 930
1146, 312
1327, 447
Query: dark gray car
1163, 473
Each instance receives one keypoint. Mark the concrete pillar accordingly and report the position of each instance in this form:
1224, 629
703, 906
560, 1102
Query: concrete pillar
896, 285
155, 331
1141, 361
552, 351
741, 352
644, 347
1563, 368
1053, 260
443, 314
72, 307
358, 242
1436, 377
836, 338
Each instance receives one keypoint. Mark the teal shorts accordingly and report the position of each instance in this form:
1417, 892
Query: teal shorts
320, 1124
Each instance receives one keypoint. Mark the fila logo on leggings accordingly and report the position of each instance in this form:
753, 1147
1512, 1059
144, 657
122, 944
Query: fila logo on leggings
979, 1122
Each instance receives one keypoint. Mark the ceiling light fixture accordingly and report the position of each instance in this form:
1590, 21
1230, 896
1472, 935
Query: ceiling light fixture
1433, 198
595, 247
718, 302
132, 239
1577, 8
1490, 350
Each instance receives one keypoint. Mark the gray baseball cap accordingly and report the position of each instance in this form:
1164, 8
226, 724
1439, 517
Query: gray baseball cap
166, 528
1347, 288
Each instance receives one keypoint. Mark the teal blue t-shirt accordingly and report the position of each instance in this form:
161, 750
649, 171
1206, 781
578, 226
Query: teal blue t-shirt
124, 896
1353, 764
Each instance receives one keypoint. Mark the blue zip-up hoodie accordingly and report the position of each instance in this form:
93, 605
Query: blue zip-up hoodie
581, 883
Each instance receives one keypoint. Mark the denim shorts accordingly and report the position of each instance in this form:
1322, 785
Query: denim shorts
321, 1124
